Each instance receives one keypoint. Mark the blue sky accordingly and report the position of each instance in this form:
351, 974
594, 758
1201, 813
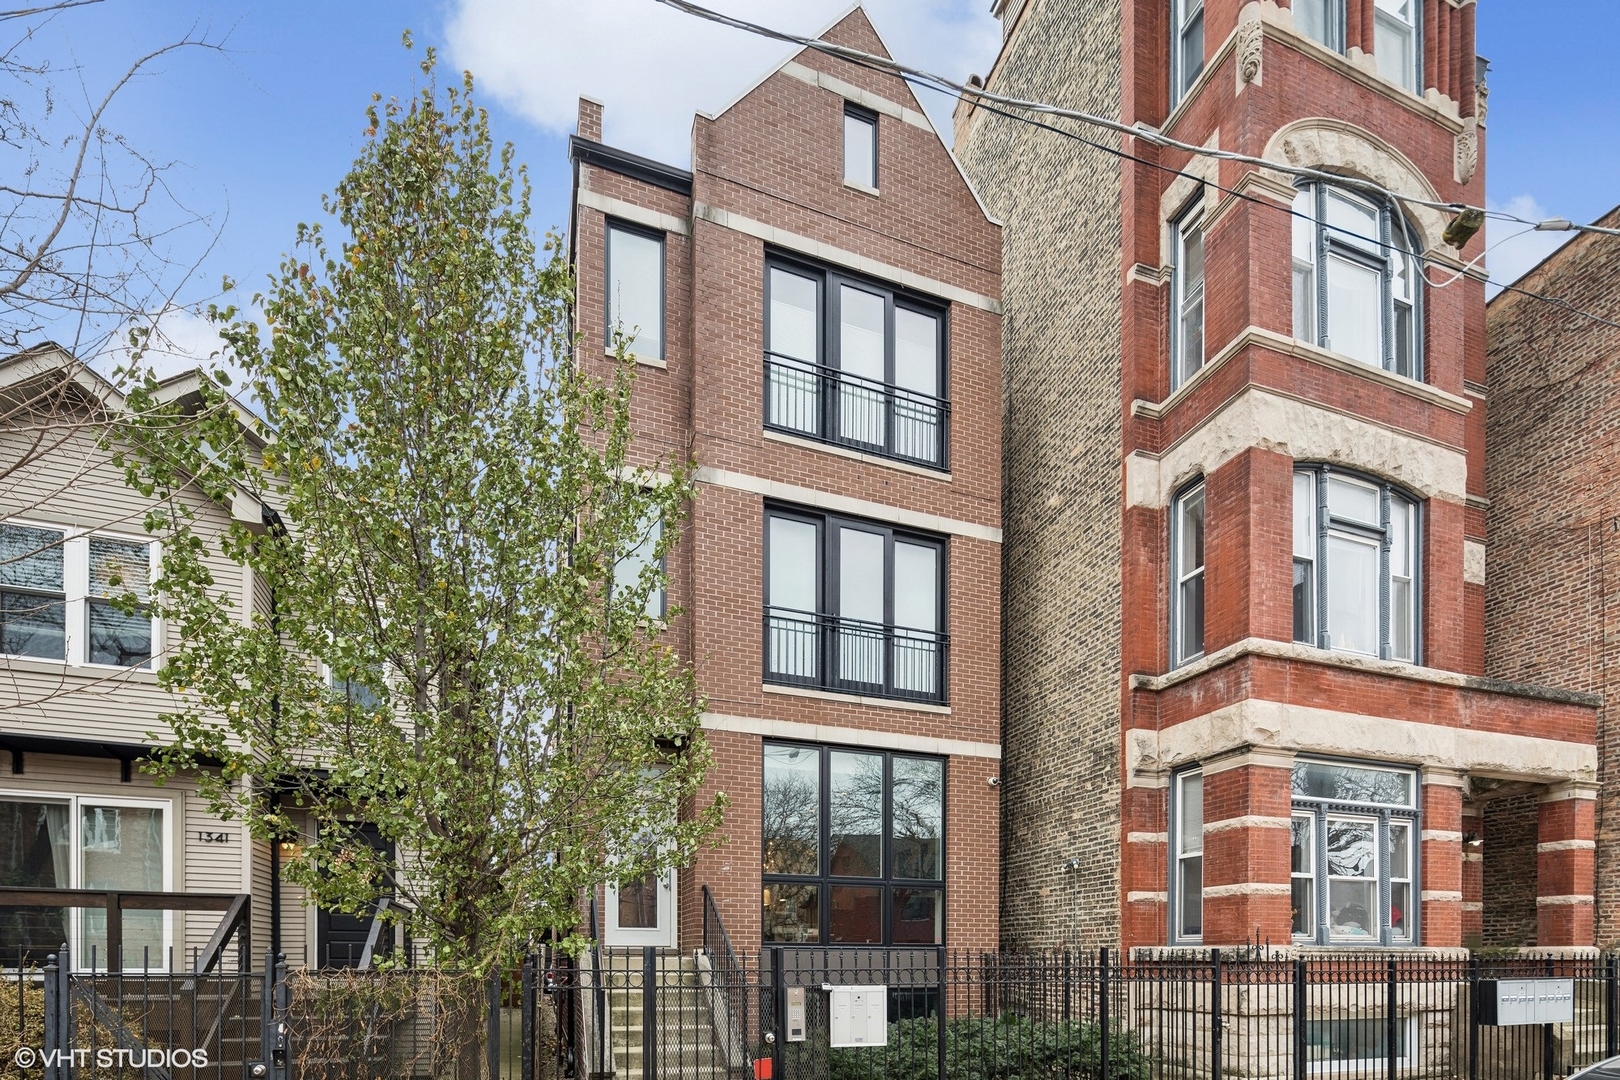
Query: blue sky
260, 131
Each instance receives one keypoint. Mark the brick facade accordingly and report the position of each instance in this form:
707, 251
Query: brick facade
1550, 566
767, 180
1101, 718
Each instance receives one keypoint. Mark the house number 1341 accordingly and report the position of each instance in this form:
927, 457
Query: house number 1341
204, 836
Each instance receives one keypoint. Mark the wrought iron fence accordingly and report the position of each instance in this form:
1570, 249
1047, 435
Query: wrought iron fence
835, 406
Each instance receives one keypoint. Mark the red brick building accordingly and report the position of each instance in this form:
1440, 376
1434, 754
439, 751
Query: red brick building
1246, 500
814, 310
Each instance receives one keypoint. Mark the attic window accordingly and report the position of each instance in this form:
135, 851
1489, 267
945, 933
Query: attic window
860, 147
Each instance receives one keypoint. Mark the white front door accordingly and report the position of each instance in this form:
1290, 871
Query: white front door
642, 912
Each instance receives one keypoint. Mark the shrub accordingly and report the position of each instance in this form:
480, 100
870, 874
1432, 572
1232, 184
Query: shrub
1008, 1047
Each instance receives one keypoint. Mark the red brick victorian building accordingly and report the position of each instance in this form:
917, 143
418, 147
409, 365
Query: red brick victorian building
1246, 502
814, 311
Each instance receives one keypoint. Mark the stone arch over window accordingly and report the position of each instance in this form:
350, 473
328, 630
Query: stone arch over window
1334, 146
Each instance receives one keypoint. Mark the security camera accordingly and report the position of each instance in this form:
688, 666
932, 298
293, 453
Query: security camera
994, 781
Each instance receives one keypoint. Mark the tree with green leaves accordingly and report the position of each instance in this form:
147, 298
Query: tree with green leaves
456, 652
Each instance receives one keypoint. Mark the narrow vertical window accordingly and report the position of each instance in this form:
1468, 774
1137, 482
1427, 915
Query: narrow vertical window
860, 606
1352, 878
635, 290
1401, 563
1188, 286
642, 554
1187, 46
1187, 544
1302, 874
33, 609
1304, 251
863, 358
792, 598
860, 147
118, 568
1305, 557
1395, 41
1189, 868
1400, 880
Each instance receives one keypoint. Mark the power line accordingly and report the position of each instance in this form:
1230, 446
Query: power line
989, 102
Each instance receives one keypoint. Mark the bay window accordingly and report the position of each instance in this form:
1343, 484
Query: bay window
854, 606
77, 597
1355, 565
1186, 46
85, 842
635, 289
855, 363
1356, 279
1353, 868
1187, 588
853, 849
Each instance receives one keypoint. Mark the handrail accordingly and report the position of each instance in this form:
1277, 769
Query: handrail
839, 407
809, 648
732, 981
238, 908
238, 915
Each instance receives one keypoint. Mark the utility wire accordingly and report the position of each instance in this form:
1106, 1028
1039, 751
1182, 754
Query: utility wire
1141, 131
983, 99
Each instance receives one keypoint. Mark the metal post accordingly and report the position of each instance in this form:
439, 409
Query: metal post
115, 935
1301, 1011
1548, 1057
267, 1016
52, 1017
530, 962
1611, 1005
1215, 1021
1102, 1011
1391, 1000
281, 1055
778, 998
64, 1013
941, 1013
1473, 1018
492, 1030
649, 1012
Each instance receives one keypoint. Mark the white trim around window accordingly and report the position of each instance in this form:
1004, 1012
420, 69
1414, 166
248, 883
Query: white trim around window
33, 581
1187, 296
1187, 857
1187, 576
85, 834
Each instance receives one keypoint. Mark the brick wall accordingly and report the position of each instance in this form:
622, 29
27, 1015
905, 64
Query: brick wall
1061, 556
1509, 914
1553, 474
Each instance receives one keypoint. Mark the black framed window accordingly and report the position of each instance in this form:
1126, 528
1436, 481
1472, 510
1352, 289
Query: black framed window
1357, 283
856, 363
854, 846
1186, 46
860, 146
1354, 873
635, 289
854, 606
1356, 550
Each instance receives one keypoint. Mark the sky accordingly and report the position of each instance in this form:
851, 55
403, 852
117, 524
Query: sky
260, 129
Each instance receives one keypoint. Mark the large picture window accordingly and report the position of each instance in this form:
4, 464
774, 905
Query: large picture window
1357, 286
1355, 565
854, 606
635, 289
855, 363
1187, 588
69, 842
1353, 865
854, 847
75, 597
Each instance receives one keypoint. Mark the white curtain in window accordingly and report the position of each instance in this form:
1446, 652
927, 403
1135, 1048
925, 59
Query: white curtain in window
636, 290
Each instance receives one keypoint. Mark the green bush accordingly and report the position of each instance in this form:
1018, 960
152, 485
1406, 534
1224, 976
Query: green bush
1008, 1047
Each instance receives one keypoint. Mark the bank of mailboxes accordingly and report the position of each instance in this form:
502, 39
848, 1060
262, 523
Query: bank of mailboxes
858, 1015
1505, 1002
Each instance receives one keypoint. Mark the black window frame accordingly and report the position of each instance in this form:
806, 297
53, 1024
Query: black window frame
1333, 241
1325, 523
662, 239
866, 116
828, 623
829, 379
887, 882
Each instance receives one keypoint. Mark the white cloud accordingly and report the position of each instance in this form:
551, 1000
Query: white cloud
653, 67
1519, 250
181, 340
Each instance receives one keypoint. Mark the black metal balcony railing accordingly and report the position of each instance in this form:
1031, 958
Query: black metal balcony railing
803, 648
833, 406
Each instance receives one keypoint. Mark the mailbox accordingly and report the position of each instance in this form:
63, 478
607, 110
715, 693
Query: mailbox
795, 1014
858, 1015
1506, 1002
